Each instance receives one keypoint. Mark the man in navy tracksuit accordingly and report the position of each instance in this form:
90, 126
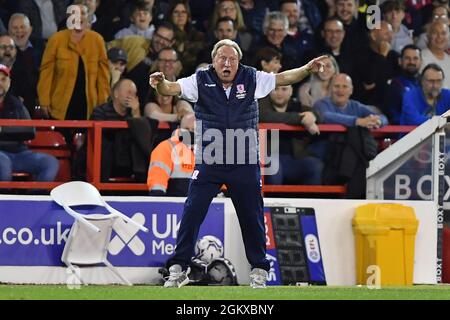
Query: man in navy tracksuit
225, 97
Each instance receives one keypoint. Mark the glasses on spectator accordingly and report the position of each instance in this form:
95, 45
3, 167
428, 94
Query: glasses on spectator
179, 13
166, 40
9, 47
442, 16
271, 30
168, 61
434, 81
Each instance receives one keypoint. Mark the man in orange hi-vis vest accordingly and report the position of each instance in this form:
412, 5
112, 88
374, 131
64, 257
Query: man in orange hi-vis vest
172, 162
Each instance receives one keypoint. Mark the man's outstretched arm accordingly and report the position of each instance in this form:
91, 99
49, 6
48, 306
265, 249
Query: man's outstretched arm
296, 75
163, 86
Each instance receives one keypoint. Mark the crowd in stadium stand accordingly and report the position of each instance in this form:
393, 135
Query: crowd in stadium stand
72, 67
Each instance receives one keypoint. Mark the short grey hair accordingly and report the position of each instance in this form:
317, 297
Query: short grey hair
434, 24
14, 16
226, 42
275, 16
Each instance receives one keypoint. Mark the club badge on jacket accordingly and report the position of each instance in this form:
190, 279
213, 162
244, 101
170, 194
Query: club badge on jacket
240, 93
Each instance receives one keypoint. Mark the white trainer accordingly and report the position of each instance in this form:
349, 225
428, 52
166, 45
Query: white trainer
258, 278
177, 277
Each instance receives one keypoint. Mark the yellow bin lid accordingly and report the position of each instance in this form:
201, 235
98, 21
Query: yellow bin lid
379, 217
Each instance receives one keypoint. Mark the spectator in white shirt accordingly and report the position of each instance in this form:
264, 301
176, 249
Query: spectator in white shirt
438, 35
440, 13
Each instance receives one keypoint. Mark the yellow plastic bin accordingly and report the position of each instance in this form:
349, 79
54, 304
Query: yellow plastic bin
385, 239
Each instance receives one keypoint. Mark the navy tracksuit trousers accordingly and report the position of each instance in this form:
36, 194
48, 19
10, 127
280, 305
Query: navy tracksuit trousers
244, 186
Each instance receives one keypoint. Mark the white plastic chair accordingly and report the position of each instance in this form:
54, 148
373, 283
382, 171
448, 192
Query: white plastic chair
89, 237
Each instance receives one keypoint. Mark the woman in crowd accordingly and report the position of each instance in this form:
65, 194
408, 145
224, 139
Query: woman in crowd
74, 74
318, 85
166, 108
188, 41
230, 8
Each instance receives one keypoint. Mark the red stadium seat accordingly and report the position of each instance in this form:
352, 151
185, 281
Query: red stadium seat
54, 143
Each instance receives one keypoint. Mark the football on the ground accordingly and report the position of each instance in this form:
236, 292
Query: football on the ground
208, 248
